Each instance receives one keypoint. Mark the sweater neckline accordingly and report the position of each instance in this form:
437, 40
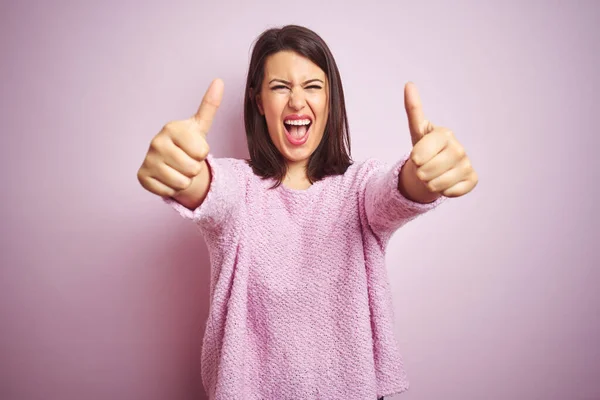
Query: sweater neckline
301, 192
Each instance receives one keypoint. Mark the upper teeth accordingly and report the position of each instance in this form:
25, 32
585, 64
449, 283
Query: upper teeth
298, 121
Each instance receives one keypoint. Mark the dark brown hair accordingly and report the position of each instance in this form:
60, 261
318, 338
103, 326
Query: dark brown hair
332, 155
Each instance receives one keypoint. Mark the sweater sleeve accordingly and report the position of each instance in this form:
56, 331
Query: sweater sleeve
222, 201
385, 207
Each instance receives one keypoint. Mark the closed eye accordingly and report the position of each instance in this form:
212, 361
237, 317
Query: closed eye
317, 87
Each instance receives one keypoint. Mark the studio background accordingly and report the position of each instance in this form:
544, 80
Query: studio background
104, 289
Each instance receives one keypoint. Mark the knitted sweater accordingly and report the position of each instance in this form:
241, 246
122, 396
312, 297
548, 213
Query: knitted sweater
300, 302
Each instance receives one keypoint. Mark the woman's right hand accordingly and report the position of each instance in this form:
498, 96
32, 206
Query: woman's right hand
175, 164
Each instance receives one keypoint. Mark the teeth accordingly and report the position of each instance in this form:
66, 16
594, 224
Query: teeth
297, 122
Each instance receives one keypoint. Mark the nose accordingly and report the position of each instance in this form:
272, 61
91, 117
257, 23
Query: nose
297, 100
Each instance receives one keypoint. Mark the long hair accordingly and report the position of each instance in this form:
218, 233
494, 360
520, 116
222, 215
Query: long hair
332, 156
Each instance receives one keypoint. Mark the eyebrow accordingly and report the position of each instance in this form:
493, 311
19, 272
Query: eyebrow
304, 83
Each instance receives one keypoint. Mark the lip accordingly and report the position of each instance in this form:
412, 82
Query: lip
294, 117
290, 138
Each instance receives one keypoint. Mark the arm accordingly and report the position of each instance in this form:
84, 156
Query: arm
222, 199
386, 207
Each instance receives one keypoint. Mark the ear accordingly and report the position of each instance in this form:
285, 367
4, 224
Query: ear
259, 104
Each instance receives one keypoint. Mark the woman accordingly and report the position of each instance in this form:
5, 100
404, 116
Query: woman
300, 302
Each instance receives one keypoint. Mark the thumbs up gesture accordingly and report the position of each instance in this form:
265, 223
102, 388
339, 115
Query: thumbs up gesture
175, 163
438, 163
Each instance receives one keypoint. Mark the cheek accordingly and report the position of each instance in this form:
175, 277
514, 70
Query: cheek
320, 104
272, 109
273, 119
273, 104
321, 108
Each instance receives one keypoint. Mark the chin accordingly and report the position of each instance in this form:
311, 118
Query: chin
297, 156
299, 153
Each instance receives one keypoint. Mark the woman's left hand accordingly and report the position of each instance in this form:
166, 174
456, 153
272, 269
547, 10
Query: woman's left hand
441, 164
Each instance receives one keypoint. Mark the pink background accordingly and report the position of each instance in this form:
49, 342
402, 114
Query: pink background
103, 289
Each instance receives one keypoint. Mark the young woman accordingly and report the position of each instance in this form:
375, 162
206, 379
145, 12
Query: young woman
300, 303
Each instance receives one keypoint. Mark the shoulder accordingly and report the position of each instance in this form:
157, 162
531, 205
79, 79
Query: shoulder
237, 166
356, 176
238, 171
361, 170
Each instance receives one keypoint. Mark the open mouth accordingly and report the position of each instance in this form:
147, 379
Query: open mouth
297, 130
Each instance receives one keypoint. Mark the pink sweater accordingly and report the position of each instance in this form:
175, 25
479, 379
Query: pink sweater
301, 306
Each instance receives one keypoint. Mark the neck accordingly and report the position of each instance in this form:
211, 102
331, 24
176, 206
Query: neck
296, 171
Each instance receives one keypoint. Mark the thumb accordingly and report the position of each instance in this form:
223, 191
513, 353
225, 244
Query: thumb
209, 106
417, 123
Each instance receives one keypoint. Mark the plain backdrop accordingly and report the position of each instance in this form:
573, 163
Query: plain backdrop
104, 289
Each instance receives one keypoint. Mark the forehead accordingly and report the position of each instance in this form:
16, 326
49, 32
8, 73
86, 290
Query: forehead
291, 66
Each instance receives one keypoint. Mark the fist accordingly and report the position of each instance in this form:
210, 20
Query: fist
176, 154
441, 162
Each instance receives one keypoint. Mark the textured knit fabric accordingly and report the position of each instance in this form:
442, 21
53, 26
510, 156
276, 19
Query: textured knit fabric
300, 303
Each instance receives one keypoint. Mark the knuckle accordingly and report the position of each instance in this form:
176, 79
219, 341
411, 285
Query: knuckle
415, 159
173, 129
467, 164
141, 176
200, 150
181, 183
204, 150
195, 168
149, 163
170, 193
460, 151
157, 143
170, 126
161, 191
